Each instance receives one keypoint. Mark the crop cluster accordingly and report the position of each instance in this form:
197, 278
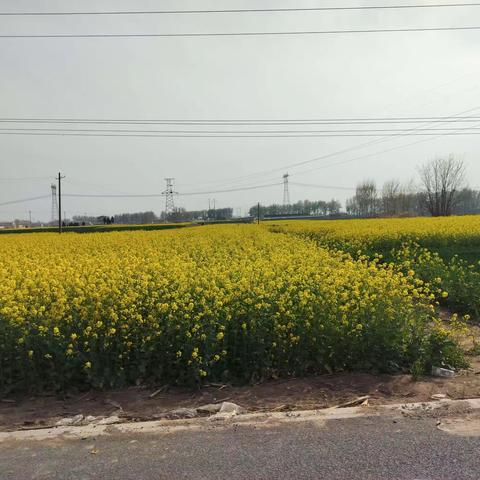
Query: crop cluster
449, 235
443, 251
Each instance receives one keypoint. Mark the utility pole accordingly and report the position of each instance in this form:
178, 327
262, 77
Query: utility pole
30, 217
214, 211
258, 213
59, 178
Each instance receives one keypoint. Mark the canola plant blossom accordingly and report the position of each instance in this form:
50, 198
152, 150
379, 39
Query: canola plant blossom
381, 235
216, 302
445, 248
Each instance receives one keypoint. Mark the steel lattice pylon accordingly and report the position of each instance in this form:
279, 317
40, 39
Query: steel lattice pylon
286, 193
169, 193
54, 216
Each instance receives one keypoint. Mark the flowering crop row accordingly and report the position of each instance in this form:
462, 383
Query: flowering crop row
218, 302
442, 251
446, 235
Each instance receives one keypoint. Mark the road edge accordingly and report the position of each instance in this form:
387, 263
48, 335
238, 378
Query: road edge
264, 419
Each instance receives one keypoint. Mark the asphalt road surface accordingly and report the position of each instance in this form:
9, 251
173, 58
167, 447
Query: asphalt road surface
364, 448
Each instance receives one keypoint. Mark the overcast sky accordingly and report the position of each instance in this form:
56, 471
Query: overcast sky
420, 74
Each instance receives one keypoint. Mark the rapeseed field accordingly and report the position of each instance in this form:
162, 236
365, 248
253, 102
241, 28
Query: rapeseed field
232, 303
443, 251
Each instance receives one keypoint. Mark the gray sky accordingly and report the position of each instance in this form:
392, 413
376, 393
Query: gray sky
265, 77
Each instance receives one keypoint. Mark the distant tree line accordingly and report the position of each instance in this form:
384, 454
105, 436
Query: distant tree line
138, 218
303, 207
442, 192
141, 218
183, 215
392, 200
78, 220
369, 201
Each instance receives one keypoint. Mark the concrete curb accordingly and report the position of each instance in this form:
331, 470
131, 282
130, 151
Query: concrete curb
446, 407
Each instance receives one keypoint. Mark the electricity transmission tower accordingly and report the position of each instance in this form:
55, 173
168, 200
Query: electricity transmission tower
169, 193
59, 206
286, 194
54, 216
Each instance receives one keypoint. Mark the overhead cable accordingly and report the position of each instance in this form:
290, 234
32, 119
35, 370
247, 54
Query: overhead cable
24, 200
245, 34
240, 10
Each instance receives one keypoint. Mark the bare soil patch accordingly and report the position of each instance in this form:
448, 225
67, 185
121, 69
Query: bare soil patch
137, 403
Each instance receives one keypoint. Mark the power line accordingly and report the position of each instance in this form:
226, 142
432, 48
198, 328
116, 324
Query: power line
24, 200
245, 178
368, 155
407, 133
321, 186
453, 119
243, 10
234, 132
331, 120
21, 179
293, 135
22, 212
349, 149
244, 34
355, 147
113, 195
152, 195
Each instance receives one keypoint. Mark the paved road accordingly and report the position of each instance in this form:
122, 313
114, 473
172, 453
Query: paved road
358, 448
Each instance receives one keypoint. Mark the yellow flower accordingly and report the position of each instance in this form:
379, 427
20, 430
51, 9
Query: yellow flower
292, 288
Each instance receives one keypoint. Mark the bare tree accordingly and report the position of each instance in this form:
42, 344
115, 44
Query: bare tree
391, 192
334, 207
442, 178
366, 198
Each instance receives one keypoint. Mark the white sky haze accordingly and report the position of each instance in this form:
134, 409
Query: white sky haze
402, 74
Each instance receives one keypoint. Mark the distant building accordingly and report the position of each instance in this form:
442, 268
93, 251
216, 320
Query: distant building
7, 225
